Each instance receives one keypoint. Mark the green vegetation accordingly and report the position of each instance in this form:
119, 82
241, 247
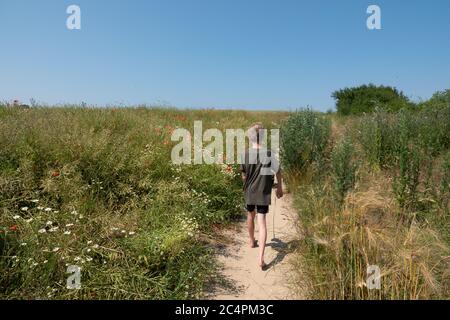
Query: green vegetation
367, 98
304, 136
95, 188
390, 173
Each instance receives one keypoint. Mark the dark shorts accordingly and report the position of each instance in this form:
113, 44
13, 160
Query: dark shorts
259, 209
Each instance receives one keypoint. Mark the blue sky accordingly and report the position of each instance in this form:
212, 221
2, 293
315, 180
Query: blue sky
220, 53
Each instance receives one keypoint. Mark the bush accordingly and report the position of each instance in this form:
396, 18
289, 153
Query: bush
377, 134
304, 138
344, 167
439, 100
367, 98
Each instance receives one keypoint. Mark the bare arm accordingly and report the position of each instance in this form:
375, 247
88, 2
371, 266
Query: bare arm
279, 192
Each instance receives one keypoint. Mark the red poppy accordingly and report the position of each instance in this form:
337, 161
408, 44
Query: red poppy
229, 168
55, 174
14, 227
166, 142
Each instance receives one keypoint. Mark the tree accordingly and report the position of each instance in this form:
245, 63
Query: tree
366, 98
440, 99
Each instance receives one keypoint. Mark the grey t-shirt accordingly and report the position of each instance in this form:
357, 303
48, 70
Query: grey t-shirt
259, 176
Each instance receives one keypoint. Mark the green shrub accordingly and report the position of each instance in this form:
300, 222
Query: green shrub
366, 98
344, 167
304, 138
377, 134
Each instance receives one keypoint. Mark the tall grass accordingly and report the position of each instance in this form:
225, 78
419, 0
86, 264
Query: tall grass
394, 215
95, 188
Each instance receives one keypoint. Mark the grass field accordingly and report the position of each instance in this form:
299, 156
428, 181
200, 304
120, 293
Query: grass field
376, 193
96, 188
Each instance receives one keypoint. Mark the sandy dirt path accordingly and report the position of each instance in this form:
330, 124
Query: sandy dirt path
239, 263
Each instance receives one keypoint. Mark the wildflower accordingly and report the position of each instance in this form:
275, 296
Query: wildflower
23, 244
131, 233
45, 261
56, 211
55, 174
49, 223
67, 232
89, 259
69, 225
16, 217
88, 250
74, 212
40, 208
123, 231
56, 249
54, 229
24, 208
95, 246
77, 259
35, 201
29, 220
48, 209
89, 242
14, 227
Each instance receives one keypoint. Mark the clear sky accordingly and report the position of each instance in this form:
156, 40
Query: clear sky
220, 53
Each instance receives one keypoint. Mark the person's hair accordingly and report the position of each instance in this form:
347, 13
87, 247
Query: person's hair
256, 132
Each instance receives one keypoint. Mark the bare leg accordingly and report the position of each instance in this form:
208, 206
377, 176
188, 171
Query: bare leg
251, 227
262, 237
